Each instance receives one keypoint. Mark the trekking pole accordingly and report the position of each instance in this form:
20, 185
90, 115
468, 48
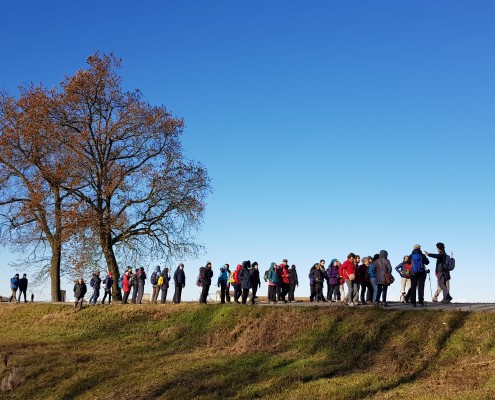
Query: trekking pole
431, 291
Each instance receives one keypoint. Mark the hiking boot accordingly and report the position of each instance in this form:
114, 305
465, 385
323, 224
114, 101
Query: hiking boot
434, 300
351, 304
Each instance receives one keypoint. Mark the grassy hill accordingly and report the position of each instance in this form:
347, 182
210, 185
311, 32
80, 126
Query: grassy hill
246, 352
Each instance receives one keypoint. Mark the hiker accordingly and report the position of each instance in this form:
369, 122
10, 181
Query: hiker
237, 283
107, 285
134, 286
95, 283
141, 282
205, 275
333, 281
179, 282
373, 278
285, 281
357, 277
272, 283
381, 268
281, 285
223, 279
14, 285
227, 288
312, 291
154, 284
439, 289
80, 290
254, 275
418, 275
163, 284
364, 281
347, 272
319, 279
245, 279
23, 284
404, 270
293, 282
126, 284
442, 273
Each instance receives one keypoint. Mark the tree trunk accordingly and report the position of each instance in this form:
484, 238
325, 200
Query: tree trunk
55, 272
106, 245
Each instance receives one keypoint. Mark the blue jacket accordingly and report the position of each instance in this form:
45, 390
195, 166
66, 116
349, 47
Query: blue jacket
14, 282
223, 277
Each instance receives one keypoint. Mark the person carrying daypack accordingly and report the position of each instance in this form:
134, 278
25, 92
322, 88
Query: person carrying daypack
14, 285
107, 285
163, 283
154, 284
222, 281
312, 291
245, 279
95, 283
206, 274
418, 275
442, 270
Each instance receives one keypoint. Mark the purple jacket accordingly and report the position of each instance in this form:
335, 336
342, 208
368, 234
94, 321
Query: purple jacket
333, 275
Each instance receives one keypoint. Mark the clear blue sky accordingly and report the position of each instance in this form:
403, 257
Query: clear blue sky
326, 126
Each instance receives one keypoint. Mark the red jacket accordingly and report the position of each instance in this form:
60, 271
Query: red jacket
346, 269
125, 283
284, 274
237, 281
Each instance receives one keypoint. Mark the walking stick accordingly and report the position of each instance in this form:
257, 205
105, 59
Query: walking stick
431, 291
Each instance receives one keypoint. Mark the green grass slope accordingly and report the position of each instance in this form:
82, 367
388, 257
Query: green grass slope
245, 352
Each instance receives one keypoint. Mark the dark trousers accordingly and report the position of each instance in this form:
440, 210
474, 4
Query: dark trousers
134, 294
126, 296
381, 289
237, 291
319, 292
204, 294
272, 293
109, 293
245, 294
312, 292
96, 294
369, 292
418, 281
164, 290
292, 289
254, 289
177, 294
22, 291
285, 290
140, 294
79, 300
227, 293
362, 298
223, 287
279, 291
334, 292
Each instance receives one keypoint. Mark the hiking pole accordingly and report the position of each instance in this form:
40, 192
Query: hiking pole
431, 291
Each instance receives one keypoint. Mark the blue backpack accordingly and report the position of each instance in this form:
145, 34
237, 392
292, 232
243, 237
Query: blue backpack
417, 263
449, 263
121, 278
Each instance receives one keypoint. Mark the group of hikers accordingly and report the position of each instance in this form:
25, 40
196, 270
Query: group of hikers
354, 282
18, 284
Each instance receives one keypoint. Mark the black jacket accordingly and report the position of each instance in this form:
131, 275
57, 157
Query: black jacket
23, 284
293, 276
255, 277
166, 278
179, 277
245, 278
80, 290
318, 276
206, 275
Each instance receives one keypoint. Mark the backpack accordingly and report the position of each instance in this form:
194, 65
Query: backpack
231, 278
449, 263
200, 277
417, 263
265, 277
92, 282
131, 280
121, 278
154, 278
160, 281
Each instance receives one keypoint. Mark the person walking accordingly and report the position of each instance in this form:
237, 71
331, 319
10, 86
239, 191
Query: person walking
80, 290
273, 280
254, 274
245, 279
223, 279
373, 278
293, 282
333, 281
227, 288
205, 274
404, 270
155, 276
312, 291
95, 283
381, 268
237, 284
14, 285
164, 283
23, 284
319, 279
347, 272
180, 283
107, 286
418, 275
442, 273
126, 285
